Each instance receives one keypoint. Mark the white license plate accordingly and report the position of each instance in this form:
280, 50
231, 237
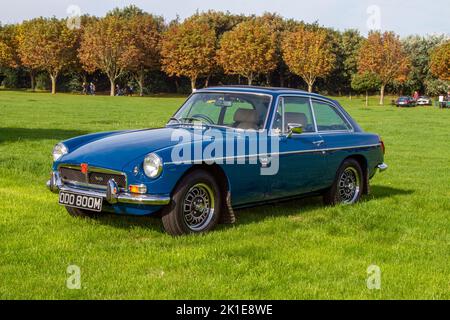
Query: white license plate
80, 201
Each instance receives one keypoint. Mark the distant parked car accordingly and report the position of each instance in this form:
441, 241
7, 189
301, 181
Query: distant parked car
424, 101
405, 102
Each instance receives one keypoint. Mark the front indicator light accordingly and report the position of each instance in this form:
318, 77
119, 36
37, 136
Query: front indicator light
139, 188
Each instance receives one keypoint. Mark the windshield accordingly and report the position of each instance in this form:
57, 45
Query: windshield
234, 110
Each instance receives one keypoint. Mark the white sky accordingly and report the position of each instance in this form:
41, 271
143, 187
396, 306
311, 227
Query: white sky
404, 17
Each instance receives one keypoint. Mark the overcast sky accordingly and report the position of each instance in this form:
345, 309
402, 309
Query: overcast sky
404, 17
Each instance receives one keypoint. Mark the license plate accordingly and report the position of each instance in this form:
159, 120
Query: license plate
80, 201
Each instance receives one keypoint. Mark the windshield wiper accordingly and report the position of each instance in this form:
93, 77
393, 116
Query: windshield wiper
187, 120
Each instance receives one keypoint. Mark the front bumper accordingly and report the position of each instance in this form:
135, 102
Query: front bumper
382, 167
112, 195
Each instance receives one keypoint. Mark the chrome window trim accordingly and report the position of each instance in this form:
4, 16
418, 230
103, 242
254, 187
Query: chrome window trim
332, 105
284, 153
232, 91
299, 95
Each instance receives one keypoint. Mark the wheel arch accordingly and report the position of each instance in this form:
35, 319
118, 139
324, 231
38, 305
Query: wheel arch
224, 184
362, 161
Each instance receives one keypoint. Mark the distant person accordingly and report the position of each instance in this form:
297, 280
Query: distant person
416, 95
117, 90
130, 90
92, 88
85, 88
442, 101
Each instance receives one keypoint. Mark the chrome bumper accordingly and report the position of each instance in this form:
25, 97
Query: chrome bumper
112, 195
382, 167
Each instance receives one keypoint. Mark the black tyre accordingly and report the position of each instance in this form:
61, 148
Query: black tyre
348, 185
195, 206
80, 213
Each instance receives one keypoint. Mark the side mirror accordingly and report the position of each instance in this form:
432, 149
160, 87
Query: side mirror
294, 128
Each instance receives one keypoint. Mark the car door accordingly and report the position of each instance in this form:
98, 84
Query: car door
337, 134
300, 159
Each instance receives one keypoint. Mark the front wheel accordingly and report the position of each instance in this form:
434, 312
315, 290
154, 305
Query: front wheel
348, 185
195, 205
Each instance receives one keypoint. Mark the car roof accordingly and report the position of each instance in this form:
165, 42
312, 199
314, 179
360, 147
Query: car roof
262, 90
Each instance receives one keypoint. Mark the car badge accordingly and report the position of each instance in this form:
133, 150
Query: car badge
84, 168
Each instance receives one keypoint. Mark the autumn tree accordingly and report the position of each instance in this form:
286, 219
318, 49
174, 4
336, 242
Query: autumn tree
146, 37
188, 49
345, 46
440, 61
308, 53
364, 82
220, 22
46, 44
383, 55
418, 49
106, 46
248, 50
8, 47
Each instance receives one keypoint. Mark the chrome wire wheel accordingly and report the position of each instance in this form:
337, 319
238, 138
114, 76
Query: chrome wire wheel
198, 206
349, 186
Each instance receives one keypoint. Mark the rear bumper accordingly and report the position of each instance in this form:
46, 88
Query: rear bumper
112, 195
382, 167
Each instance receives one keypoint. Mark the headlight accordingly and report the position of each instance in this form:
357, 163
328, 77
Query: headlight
152, 165
58, 151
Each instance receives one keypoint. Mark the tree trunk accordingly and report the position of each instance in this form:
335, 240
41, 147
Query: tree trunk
382, 94
33, 86
207, 80
113, 87
177, 85
310, 87
53, 78
140, 81
250, 80
193, 81
367, 98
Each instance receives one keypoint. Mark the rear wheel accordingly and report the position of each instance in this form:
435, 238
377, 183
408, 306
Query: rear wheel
348, 185
195, 206
80, 213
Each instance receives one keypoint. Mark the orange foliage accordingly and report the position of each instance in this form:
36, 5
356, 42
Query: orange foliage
248, 50
308, 54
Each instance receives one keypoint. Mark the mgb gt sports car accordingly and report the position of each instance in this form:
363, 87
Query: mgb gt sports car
225, 148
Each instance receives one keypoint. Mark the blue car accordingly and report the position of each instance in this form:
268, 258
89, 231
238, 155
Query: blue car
225, 148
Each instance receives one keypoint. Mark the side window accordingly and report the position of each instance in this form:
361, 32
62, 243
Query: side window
328, 118
296, 110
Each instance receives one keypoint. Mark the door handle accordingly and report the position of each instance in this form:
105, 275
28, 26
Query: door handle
265, 160
318, 142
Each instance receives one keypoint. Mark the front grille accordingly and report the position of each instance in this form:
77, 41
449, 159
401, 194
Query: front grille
95, 178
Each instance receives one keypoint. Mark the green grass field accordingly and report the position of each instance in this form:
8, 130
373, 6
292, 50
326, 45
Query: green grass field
295, 250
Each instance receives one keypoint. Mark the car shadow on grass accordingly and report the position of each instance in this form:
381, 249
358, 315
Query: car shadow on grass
17, 134
249, 215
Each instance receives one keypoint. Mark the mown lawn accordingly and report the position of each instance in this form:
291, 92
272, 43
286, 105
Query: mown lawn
294, 250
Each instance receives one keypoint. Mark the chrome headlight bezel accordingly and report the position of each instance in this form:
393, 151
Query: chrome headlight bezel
58, 151
152, 165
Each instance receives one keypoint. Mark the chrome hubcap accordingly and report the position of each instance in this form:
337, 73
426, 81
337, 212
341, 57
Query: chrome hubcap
198, 206
349, 186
